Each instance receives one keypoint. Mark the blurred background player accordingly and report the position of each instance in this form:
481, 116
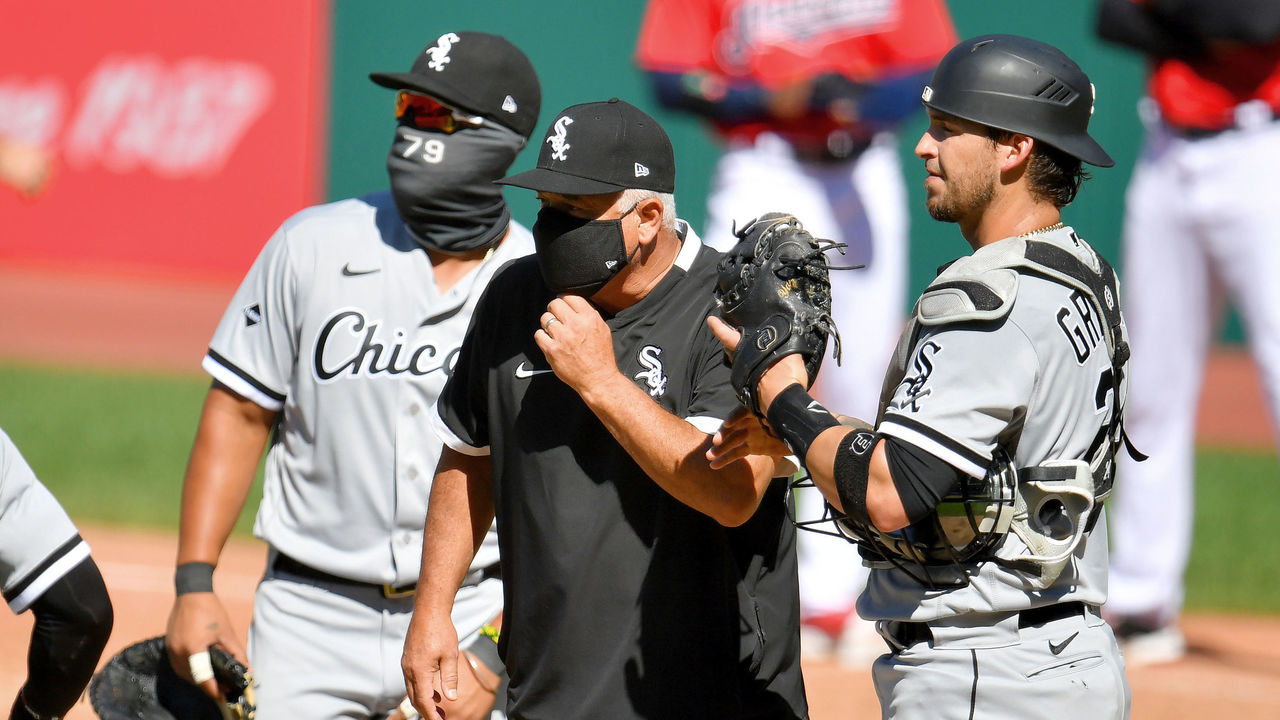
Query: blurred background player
1198, 229
45, 567
335, 347
805, 96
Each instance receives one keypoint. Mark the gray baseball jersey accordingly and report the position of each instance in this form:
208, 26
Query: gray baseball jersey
1038, 382
339, 327
38, 542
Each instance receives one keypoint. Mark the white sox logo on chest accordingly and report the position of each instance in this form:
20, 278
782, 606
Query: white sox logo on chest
559, 141
652, 375
440, 53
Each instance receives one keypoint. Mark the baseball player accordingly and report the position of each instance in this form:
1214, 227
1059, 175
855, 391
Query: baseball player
45, 567
975, 498
334, 349
805, 97
1196, 229
639, 583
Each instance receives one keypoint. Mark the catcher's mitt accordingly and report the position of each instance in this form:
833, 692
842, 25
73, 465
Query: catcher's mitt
775, 287
139, 684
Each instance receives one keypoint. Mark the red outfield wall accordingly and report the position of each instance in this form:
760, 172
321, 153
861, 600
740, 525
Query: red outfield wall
182, 133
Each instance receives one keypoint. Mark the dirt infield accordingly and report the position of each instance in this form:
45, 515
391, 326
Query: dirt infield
1232, 671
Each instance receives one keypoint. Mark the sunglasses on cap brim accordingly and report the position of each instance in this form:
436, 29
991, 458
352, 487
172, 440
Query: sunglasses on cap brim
426, 113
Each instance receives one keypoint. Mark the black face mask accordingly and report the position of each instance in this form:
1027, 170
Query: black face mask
579, 256
444, 188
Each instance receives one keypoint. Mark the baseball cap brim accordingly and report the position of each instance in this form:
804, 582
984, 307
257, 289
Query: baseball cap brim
410, 81
560, 183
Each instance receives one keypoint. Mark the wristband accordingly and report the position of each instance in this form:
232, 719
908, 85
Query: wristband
193, 577
798, 419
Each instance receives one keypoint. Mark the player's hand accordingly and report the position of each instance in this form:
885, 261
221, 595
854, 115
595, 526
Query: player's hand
742, 435
197, 621
430, 664
576, 342
788, 370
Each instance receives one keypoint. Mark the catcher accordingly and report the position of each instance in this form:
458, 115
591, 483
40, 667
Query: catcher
976, 498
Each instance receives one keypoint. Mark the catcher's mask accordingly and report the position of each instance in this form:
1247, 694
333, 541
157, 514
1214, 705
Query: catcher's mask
139, 684
966, 527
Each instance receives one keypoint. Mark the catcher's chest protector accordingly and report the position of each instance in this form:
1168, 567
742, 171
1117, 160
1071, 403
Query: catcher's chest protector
983, 288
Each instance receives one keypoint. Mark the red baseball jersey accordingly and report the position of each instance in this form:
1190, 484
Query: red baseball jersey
1204, 92
774, 42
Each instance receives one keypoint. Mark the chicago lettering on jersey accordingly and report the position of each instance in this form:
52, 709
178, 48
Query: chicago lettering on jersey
1081, 327
349, 344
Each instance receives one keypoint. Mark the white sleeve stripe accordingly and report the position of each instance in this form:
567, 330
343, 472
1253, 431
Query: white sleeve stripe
51, 575
933, 447
229, 377
704, 423
447, 436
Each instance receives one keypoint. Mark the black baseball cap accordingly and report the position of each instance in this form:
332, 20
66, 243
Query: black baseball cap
601, 147
477, 72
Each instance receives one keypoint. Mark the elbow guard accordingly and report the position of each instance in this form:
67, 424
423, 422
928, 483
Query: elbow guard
851, 470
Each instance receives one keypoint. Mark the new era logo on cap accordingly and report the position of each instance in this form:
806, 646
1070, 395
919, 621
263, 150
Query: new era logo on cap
602, 147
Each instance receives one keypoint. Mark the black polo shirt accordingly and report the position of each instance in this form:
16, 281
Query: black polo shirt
620, 601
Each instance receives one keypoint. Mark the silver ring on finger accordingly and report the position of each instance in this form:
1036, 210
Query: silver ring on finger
547, 325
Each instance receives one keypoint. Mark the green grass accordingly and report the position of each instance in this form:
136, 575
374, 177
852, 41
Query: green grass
1235, 556
113, 447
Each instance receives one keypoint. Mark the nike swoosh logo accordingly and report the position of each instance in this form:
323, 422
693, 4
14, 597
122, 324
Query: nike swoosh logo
522, 371
816, 407
347, 271
1057, 649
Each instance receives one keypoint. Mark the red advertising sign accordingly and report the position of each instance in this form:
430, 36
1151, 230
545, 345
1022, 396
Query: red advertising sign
179, 134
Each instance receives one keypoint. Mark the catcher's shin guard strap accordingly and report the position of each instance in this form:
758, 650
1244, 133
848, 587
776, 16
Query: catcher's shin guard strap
798, 419
852, 465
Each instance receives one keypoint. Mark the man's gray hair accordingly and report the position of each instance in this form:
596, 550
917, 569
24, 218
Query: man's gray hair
632, 196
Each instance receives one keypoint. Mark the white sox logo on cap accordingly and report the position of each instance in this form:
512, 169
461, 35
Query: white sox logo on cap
559, 141
440, 53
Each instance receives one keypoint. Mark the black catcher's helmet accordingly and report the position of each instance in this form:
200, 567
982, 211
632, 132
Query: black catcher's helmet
1020, 85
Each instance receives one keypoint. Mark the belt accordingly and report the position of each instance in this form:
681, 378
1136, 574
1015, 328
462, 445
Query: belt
907, 634
285, 564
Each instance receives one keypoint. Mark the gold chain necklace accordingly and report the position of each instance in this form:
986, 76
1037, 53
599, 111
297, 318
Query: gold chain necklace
1047, 228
